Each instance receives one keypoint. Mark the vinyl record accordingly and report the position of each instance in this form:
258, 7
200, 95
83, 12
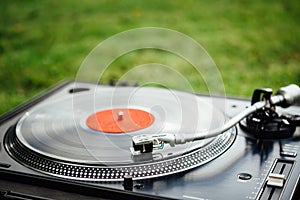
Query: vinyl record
59, 129
87, 134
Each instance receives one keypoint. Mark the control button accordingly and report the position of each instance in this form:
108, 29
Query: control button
288, 153
288, 150
4, 165
275, 180
244, 176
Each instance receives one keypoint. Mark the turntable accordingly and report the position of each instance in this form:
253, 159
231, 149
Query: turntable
84, 140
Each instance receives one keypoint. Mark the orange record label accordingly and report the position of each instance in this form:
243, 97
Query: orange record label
119, 120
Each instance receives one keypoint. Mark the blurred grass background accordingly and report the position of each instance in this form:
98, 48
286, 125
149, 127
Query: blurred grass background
253, 43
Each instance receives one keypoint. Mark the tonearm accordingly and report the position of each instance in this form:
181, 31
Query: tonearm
259, 118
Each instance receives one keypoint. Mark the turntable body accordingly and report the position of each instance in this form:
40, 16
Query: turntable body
49, 143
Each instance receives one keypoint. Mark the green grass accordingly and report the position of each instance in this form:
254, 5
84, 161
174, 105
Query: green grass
253, 43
